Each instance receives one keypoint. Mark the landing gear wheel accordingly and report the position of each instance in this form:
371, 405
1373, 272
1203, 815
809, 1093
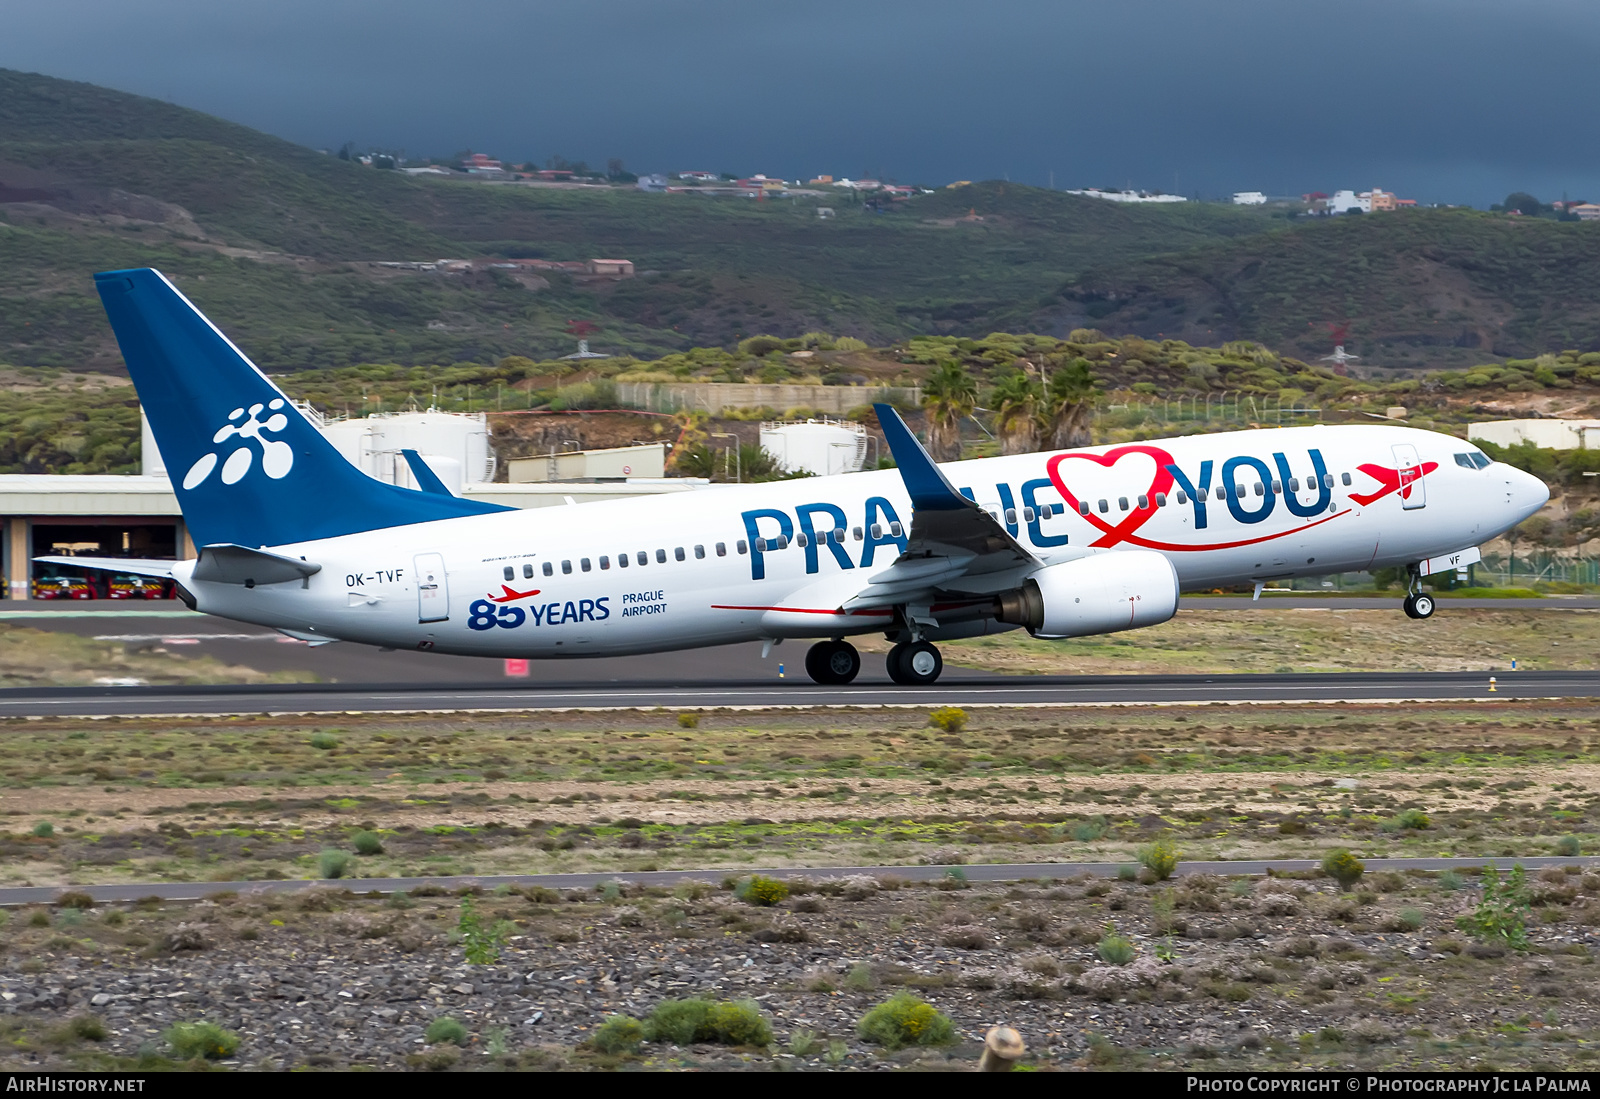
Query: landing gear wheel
1421, 605
833, 663
1407, 606
914, 665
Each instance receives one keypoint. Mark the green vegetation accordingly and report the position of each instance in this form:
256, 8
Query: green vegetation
367, 843
1502, 913
324, 741
951, 719
729, 1022
333, 863
1343, 867
762, 891
1115, 948
1160, 858
481, 942
201, 1039
905, 1020
618, 1034
446, 1029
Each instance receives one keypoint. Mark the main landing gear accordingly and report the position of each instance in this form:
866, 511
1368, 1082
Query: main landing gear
914, 664
833, 663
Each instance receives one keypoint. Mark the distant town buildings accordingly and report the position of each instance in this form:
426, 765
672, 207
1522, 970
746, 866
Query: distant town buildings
699, 177
1249, 198
1585, 211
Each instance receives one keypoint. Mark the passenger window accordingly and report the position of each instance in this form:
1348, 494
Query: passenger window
699, 553
1277, 488
1027, 515
1083, 507
605, 563
643, 558
1144, 503
1105, 506
1161, 499
1294, 484
858, 534
1047, 511
583, 564
801, 540
761, 545
741, 546
510, 573
1011, 517
549, 570
783, 541
566, 568
622, 560
1222, 493
877, 531
895, 529
1183, 497
527, 571
1261, 489
661, 557
838, 537
722, 549
677, 554
1122, 503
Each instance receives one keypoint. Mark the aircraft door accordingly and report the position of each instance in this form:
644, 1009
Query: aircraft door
1413, 490
433, 592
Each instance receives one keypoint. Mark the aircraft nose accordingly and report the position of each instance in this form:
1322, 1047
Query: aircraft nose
1526, 493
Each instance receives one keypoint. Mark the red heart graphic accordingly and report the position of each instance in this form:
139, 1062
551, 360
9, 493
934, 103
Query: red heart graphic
1138, 516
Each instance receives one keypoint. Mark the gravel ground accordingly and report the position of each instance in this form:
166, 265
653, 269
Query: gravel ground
1273, 973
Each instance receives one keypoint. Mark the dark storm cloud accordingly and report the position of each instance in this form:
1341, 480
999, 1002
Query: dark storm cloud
1444, 100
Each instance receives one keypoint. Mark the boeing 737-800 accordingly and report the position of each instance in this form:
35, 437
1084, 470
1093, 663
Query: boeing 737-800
1068, 544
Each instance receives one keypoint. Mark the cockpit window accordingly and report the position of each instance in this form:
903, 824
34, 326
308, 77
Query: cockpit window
1465, 461
1473, 459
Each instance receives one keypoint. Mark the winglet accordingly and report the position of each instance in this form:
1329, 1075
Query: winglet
427, 480
929, 488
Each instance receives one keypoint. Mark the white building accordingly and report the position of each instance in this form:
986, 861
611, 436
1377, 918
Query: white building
1548, 434
821, 447
1127, 196
1343, 202
1249, 198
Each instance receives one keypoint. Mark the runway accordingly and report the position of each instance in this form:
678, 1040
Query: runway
971, 689
975, 872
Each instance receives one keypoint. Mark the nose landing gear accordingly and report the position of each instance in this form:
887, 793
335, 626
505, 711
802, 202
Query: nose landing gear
1418, 603
915, 664
833, 663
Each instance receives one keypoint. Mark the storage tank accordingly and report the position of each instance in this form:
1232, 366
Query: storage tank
822, 447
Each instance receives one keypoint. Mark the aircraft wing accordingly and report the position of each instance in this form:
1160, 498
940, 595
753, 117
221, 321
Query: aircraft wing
126, 566
954, 547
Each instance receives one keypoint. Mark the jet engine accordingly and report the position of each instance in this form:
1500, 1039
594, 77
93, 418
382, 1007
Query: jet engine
1100, 594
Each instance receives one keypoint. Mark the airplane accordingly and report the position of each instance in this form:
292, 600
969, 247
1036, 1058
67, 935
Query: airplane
1064, 544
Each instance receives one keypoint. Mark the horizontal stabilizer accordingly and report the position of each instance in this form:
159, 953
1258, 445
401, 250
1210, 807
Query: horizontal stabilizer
228, 564
127, 566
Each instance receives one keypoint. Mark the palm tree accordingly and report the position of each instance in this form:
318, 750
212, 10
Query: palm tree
1018, 401
948, 396
1069, 405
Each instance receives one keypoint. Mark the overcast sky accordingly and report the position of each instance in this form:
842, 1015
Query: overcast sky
1441, 100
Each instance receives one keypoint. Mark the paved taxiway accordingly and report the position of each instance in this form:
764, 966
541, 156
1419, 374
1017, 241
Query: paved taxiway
971, 689
988, 872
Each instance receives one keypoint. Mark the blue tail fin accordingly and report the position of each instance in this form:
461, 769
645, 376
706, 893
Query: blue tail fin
247, 467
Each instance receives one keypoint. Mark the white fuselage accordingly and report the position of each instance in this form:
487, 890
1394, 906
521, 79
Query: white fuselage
1314, 500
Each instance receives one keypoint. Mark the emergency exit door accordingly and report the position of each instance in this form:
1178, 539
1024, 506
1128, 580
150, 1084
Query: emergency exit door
433, 593
1413, 490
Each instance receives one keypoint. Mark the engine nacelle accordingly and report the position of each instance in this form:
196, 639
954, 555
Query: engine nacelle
1100, 594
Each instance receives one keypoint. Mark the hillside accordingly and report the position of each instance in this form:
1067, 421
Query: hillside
281, 236
1419, 288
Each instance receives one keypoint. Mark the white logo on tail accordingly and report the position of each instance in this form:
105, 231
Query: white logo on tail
277, 457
